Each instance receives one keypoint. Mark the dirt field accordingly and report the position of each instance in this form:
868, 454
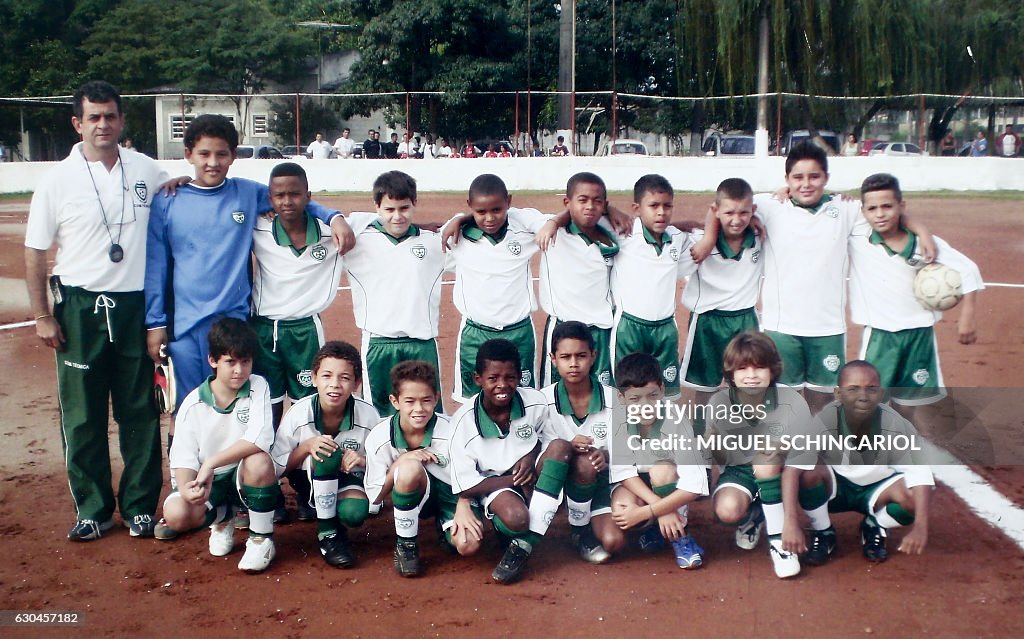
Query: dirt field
969, 583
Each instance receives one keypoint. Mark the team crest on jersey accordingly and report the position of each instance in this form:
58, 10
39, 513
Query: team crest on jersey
318, 252
755, 256
442, 460
831, 363
305, 378
350, 444
674, 254
830, 210
775, 429
524, 432
419, 251
141, 191
670, 373
238, 217
601, 431
515, 248
525, 378
242, 415
921, 376
327, 501
605, 378
662, 454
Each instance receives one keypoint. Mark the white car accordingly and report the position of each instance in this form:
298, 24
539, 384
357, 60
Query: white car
622, 146
895, 148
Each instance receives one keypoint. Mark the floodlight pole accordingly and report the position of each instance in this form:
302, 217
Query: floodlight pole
615, 88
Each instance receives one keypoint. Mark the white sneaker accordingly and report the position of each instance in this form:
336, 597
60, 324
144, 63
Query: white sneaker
786, 564
222, 539
259, 552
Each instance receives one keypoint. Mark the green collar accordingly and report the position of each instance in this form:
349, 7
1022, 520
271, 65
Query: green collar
564, 406
487, 426
770, 403
657, 242
398, 439
206, 395
413, 231
346, 420
473, 233
726, 251
634, 429
844, 428
825, 199
607, 250
908, 250
283, 239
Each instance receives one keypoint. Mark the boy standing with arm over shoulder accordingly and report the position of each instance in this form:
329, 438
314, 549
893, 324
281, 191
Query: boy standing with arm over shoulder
221, 451
643, 281
575, 282
322, 436
394, 272
408, 464
722, 292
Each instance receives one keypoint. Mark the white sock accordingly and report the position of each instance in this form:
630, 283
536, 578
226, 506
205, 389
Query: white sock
684, 513
885, 520
819, 517
579, 512
542, 511
261, 523
774, 518
407, 522
325, 498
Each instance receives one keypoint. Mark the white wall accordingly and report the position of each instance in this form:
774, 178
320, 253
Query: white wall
550, 174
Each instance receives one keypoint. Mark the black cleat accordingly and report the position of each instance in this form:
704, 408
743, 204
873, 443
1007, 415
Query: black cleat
336, 550
512, 564
872, 539
407, 557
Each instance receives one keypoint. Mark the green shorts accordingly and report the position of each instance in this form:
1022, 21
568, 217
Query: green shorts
907, 362
850, 497
740, 477
225, 490
285, 355
381, 354
810, 362
472, 335
601, 503
440, 504
659, 339
602, 363
706, 338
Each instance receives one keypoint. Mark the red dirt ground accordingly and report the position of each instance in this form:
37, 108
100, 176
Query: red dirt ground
968, 583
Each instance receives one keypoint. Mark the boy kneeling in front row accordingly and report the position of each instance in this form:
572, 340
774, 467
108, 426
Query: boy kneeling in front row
221, 451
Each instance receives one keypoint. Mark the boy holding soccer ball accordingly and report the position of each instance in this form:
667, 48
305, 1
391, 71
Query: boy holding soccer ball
899, 336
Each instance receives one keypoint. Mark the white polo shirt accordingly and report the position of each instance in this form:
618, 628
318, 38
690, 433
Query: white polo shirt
304, 421
396, 282
804, 292
343, 147
493, 280
562, 422
65, 210
882, 282
291, 284
644, 274
478, 450
575, 282
386, 443
726, 281
202, 430
629, 456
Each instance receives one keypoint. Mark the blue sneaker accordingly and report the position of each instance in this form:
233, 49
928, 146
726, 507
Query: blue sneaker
689, 555
651, 540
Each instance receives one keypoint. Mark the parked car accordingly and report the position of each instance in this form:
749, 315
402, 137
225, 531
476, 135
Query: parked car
729, 144
357, 150
896, 148
622, 146
793, 138
294, 152
259, 152
867, 145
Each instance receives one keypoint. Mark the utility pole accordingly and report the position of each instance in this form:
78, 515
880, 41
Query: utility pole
761, 135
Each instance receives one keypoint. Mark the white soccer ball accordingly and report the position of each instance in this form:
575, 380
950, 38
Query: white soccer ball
938, 287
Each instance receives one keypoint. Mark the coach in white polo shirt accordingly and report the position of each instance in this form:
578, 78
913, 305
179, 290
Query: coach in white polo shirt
94, 206
344, 145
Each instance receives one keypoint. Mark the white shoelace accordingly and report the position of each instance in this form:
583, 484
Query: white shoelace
106, 303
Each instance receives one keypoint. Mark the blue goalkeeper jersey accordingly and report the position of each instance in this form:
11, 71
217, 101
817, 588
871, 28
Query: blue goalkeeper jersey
197, 252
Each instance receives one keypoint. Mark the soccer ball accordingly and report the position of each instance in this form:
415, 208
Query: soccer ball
938, 287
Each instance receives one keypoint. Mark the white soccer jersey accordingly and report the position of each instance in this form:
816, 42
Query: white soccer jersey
396, 282
575, 281
882, 282
65, 209
631, 455
644, 274
304, 421
726, 281
868, 468
784, 413
290, 284
201, 429
562, 423
804, 290
493, 281
478, 450
386, 442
